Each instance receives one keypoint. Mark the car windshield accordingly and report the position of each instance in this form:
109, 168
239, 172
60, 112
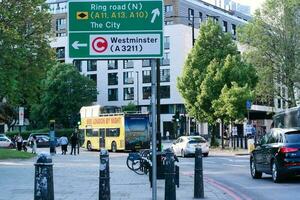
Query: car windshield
196, 140
292, 137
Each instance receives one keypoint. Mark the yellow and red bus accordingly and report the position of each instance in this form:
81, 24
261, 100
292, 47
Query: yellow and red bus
116, 131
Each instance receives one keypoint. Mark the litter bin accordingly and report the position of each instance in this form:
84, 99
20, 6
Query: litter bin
250, 143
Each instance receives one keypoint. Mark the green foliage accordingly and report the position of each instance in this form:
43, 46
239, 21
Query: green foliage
231, 105
131, 107
65, 91
14, 154
214, 64
273, 37
58, 132
25, 53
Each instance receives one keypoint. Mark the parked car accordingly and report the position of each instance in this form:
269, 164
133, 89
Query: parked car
42, 139
6, 143
186, 145
277, 153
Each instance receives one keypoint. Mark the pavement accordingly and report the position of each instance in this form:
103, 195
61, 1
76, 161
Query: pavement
76, 178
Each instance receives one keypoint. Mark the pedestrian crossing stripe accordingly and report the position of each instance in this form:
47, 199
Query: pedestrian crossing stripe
82, 15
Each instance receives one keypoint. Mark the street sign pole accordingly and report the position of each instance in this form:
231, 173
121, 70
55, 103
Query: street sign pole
153, 116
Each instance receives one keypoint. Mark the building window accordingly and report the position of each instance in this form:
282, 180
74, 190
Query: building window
93, 77
190, 14
128, 78
91, 65
61, 24
147, 76
225, 26
146, 92
233, 29
128, 64
113, 94
60, 52
129, 93
167, 42
165, 75
165, 60
112, 64
200, 17
112, 78
165, 92
169, 22
168, 8
63, 34
78, 65
146, 63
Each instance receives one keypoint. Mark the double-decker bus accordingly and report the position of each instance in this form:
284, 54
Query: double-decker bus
116, 131
289, 118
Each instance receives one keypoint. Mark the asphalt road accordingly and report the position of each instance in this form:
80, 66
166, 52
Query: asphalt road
231, 174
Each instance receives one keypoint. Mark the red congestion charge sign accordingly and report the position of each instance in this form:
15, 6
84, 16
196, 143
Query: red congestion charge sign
99, 44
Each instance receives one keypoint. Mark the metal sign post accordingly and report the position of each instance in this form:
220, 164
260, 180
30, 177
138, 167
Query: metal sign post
153, 116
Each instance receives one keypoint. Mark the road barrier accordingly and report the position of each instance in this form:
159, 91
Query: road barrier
43, 179
198, 177
104, 183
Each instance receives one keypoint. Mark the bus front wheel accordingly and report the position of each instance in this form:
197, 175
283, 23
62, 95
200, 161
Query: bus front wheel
114, 147
89, 146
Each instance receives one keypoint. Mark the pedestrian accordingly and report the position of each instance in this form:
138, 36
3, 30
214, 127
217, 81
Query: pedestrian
19, 142
79, 139
74, 142
168, 135
63, 141
34, 145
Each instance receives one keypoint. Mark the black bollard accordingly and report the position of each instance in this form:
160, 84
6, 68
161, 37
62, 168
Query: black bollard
170, 183
104, 185
198, 177
43, 183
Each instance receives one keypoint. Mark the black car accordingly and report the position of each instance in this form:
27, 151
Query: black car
277, 153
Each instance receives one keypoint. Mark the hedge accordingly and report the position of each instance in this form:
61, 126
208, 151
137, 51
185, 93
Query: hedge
25, 134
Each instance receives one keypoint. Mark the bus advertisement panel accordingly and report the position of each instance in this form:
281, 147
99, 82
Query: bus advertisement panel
137, 132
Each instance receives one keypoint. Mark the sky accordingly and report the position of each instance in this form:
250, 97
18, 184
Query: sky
253, 3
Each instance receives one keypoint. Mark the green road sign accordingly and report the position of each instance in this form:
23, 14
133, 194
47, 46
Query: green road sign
115, 29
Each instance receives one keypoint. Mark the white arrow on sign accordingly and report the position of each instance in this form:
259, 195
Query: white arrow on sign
76, 45
155, 13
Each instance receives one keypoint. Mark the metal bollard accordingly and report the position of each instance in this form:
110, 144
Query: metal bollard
170, 188
43, 183
198, 177
104, 185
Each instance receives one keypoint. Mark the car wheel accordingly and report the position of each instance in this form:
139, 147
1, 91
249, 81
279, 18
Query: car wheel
114, 147
182, 153
89, 146
205, 154
276, 175
254, 173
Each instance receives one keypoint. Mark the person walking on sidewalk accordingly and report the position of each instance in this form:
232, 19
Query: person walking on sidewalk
74, 141
34, 145
63, 141
19, 140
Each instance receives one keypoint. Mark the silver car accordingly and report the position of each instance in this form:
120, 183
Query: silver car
186, 145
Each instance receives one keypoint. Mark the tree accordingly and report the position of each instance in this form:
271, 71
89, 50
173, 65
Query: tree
65, 91
232, 102
130, 107
273, 37
211, 44
25, 53
224, 74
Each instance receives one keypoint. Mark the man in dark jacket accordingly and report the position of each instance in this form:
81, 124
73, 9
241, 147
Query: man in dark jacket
74, 141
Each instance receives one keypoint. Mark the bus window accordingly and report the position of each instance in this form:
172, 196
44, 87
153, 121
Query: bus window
112, 132
91, 133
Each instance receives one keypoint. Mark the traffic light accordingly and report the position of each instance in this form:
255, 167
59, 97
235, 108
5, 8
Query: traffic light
52, 125
176, 116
